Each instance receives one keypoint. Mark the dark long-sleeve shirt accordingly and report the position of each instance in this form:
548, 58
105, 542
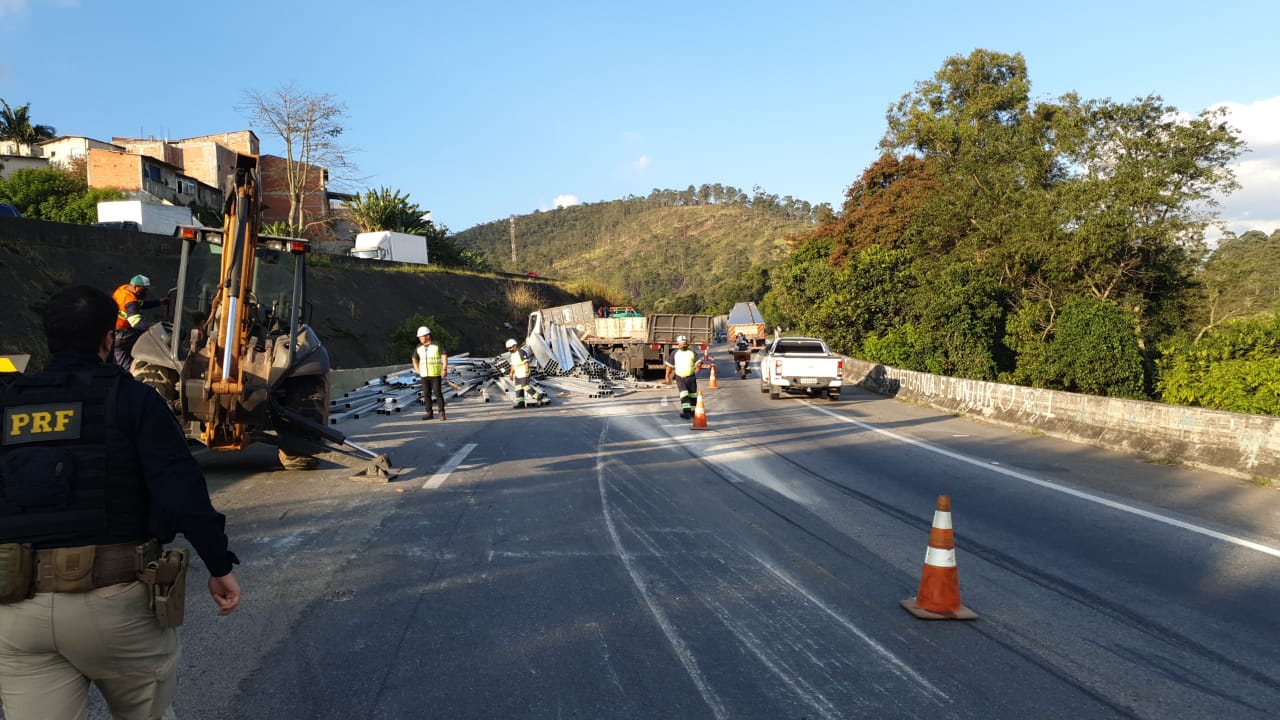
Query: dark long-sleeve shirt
175, 483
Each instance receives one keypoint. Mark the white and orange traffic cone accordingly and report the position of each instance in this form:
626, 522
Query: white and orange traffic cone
939, 595
700, 415
712, 385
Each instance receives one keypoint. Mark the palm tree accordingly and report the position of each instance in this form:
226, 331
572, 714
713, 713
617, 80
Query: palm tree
15, 125
386, 209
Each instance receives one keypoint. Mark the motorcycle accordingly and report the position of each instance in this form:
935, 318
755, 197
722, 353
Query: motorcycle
742, 358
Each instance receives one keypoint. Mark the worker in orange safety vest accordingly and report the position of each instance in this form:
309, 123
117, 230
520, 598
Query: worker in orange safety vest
131, 301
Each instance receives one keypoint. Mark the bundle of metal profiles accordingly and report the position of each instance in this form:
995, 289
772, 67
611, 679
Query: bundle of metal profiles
583, 377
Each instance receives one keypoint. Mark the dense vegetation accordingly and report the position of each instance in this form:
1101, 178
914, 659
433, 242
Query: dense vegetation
670, 252
54, 194
1058, 244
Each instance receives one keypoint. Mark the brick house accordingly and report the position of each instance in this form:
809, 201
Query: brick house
193, 171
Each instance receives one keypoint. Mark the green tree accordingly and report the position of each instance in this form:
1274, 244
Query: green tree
843, 304
1139, 203
1040, 202
386, 209
1238, 280
83, 209
961, 312
1234, 366
405, 338
51, 194
16, 125
1095, 350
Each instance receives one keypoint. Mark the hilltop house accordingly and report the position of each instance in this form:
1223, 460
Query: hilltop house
192, 172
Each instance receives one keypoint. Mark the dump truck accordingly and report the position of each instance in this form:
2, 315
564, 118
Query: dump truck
631, 342
237, 362
745, 319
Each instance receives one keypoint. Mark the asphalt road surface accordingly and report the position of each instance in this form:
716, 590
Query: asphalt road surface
598, 558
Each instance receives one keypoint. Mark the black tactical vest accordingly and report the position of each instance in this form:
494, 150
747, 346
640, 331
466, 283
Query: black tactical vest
68, 476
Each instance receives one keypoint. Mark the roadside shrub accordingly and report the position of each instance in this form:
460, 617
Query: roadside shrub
405, 337
522, 298
1235, 367
903, 347
1095, 350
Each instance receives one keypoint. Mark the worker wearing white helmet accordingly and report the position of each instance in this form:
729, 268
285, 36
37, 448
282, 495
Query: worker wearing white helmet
685, 365
431, 364
520, 372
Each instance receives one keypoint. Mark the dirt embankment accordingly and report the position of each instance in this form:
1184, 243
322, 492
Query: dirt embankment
356, 305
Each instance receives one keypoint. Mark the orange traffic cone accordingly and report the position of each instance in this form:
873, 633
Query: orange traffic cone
713, 385
939, 595
700, 415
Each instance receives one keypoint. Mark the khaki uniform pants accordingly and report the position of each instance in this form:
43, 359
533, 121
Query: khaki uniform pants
54, 644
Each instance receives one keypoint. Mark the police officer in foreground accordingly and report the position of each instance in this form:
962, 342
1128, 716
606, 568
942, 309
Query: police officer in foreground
95, 476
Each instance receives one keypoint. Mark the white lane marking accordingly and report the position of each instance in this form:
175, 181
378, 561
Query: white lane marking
677, 643
902, 668
443, 473
1173, 522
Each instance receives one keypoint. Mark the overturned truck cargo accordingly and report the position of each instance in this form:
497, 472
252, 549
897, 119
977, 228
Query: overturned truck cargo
633, 344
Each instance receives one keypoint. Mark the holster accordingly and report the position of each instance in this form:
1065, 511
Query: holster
17, 572
166, 579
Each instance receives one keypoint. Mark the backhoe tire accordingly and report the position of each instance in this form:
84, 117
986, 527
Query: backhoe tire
161, 379
305, 396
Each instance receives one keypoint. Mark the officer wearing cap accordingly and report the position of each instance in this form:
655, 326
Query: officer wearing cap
685, 364
130, 302
431, 364
97, 477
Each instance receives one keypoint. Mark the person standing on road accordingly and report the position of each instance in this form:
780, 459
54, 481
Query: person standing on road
685, 365
519, 374
130, 301
431, 364
97, 478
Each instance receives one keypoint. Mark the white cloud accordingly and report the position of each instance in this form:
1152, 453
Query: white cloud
1256, 205
641, 163
565, 201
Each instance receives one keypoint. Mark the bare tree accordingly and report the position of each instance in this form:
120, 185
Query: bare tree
310, 126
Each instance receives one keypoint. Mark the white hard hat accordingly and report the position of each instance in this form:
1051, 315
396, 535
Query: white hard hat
511, 343
682, 339
140, 280
424, 330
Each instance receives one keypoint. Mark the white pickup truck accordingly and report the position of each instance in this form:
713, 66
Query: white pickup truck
801, 364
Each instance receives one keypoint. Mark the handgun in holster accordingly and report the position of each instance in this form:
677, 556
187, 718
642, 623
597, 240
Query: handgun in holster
166, 579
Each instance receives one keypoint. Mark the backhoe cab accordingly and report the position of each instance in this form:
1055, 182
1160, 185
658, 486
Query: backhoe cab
238, 364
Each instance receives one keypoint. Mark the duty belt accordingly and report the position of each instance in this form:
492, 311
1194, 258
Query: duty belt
81, 569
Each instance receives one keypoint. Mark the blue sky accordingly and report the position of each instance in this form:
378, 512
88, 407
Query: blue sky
487, 109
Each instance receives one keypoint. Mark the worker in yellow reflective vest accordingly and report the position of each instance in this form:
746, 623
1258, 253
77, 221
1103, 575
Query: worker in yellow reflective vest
431, 364
685, 365
519, 374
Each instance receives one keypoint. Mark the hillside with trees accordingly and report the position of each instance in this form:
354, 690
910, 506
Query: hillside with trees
1057, 244
697, 250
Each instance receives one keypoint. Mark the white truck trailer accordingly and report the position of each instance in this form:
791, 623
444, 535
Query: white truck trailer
143, 216
391, 246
